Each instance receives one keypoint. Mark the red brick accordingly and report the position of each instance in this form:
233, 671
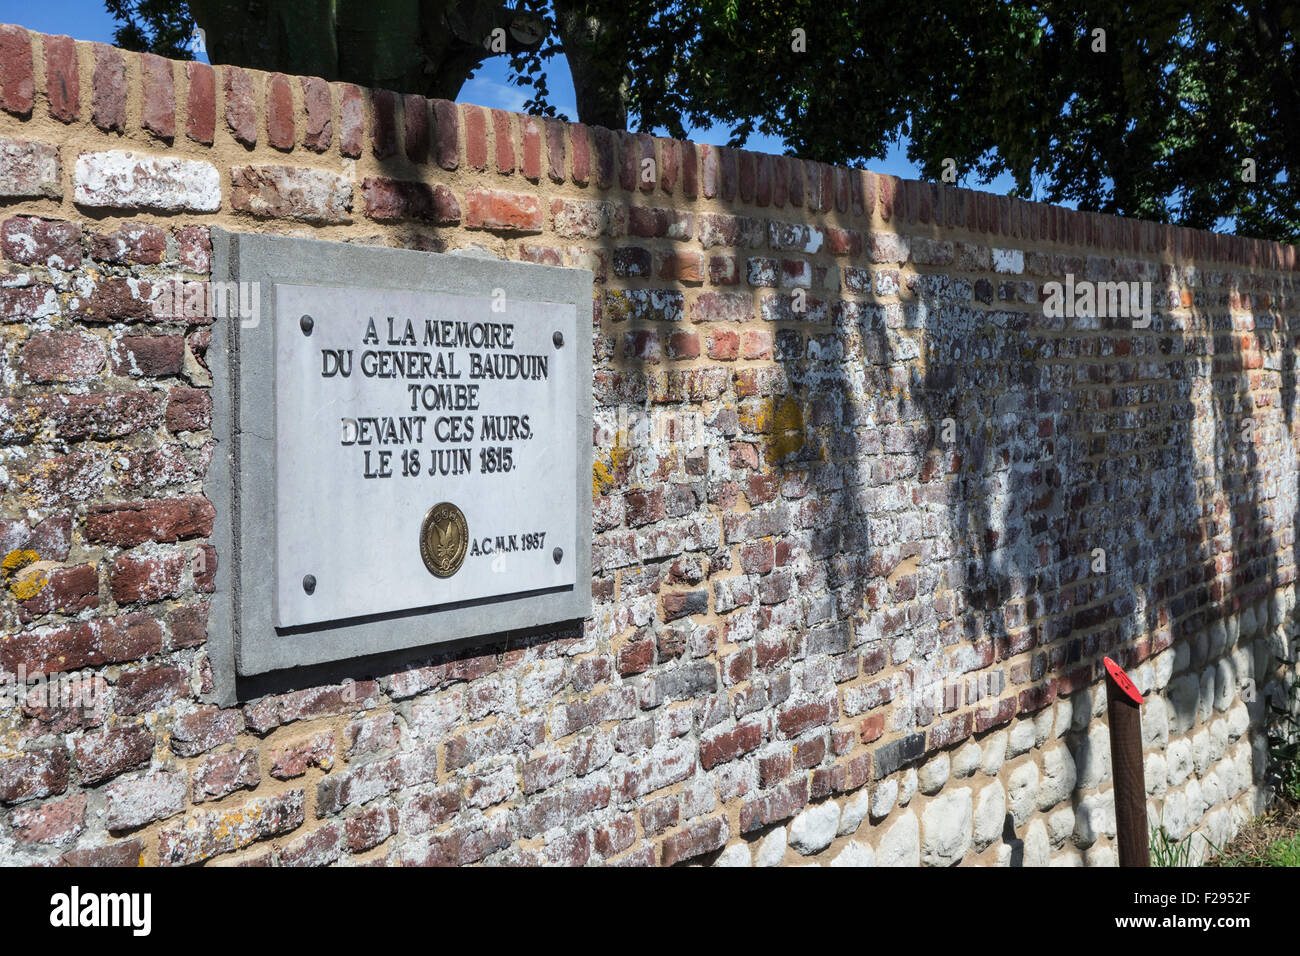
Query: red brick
271, 712
150, 356
203, 729
532, 142
502, 211
723, 747
17, 88
316, 104
387, 199
120, 854
635, 657
748, 175
158, 96
871, 729
161, 519
201, 103
67, 590
114, 299
729, 172
62, 78
108, 89
241, 107
148, 578
709, 167
605, 156
351, 120
951, 731
188, 625
415, 115
698, 838
994, 714
280, 131
682, 267
756, 344
690, 171
581, 140
189, 409
799, 718
723, 345
149, 688
130, 244
763, 193
384, 133
647, 177
476, 154
370, 827
555, 159
447, 133
724, 270
61, 357
503, 137
722, 307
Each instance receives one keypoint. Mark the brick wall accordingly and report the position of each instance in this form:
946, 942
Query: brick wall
867, 519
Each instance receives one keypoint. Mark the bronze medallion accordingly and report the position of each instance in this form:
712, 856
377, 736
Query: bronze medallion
444, 539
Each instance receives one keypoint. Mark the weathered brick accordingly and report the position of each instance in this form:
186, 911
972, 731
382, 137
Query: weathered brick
205, 728
108, 753
52, 823
32, 775
29, 170
137, 801
87, 644
295, 759
291, 192
123, 179
241, 105
206, 834
219, 775
33, 241
62, 357
271, 712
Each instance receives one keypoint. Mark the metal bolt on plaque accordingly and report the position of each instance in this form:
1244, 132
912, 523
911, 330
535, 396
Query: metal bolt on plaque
444, 538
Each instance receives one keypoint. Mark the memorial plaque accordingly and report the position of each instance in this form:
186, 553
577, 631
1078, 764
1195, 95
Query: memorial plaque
390, 403
404, 452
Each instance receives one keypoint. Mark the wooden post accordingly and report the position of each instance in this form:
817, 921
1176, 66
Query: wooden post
1123, 703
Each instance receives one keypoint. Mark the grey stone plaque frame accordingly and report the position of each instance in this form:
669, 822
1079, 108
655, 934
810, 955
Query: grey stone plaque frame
242, 640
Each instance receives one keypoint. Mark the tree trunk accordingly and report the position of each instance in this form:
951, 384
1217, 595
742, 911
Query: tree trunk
597, 60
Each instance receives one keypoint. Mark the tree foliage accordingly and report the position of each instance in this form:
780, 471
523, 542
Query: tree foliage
1155, 125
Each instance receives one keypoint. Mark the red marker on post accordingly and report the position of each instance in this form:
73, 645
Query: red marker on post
1123, 703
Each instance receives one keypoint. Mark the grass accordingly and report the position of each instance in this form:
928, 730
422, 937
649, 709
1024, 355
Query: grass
1166, 852
1271, 840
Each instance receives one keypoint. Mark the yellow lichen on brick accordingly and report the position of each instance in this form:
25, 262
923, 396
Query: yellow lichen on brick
786, 434
23, 586
602, 474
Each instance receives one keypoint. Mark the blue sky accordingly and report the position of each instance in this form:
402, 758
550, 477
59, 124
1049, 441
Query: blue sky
88, 20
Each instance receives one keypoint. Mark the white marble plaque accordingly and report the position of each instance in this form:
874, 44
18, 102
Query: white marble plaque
389, 403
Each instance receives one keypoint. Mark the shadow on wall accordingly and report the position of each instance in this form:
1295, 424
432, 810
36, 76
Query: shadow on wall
988, 483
